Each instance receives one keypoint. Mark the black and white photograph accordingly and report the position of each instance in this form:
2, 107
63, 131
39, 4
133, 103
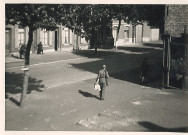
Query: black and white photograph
95, 67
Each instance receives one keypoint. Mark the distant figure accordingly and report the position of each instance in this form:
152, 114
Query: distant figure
40, 48
103, 81
144, 70
95, 46
22, 50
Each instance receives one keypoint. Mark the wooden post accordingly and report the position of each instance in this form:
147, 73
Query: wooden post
166, 61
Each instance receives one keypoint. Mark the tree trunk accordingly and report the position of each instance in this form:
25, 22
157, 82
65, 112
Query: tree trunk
77, 48
75, 43
26, 69
132, 33
119, 25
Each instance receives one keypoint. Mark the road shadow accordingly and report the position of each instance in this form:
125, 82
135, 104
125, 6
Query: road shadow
122, 60
14, 84
156, 128
101, 53
87, 94
14, 101
156, 45
133, 75
17, 57
91, 53
136, 49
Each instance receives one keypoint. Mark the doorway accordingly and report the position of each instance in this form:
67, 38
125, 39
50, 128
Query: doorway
55, 47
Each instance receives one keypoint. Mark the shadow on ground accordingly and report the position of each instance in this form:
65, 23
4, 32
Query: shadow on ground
100, 53
136, 49
87, 94
17, 57
156, 128
91, 53
131, 75
156, 45
14, 84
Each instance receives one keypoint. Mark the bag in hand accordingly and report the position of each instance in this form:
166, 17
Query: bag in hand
97, 86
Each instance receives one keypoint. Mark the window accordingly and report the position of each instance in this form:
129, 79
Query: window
65, 36
45, 37
21, 37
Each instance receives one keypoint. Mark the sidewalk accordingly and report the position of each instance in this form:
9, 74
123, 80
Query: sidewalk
15, 56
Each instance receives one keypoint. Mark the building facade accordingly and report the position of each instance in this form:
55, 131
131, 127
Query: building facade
51, 40
176, 19
63, 37
129, 33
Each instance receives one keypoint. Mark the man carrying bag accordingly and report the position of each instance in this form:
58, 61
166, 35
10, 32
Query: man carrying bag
103, 81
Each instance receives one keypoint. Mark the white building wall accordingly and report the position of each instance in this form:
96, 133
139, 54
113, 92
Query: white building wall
154, 34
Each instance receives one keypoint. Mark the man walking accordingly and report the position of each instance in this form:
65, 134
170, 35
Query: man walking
103, 81
144, 70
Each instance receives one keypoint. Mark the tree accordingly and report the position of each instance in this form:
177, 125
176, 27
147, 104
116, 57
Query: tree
33, 16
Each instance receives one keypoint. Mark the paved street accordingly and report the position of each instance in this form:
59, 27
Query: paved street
61, 95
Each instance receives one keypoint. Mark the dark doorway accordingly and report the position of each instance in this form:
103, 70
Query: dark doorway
55, 41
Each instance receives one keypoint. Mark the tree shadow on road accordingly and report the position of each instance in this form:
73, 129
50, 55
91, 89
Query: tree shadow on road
125, 60
14, 84
92, 54
156, 45
136, 49
102, 53
133, 75
156, 128
87, 94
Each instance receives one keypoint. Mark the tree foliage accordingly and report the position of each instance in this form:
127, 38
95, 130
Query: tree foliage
31, 15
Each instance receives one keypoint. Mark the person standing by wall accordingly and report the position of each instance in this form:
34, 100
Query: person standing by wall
40, 48
22, 50
103, 81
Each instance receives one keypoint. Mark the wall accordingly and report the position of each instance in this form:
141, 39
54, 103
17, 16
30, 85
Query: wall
176, 17
146, 32
154, 34
139, 33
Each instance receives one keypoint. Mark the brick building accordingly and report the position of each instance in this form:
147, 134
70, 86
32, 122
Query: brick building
176, 23
176, 19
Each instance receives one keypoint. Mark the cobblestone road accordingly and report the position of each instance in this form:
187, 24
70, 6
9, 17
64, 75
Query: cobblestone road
69, 103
